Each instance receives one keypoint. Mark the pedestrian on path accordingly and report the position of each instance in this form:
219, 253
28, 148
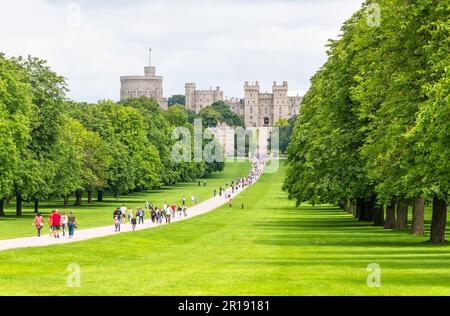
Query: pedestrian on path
117, 224
56, 222
50, 222
168, 214
130, 214
64, 221
72, 223
133, 223
230, 203
38, 223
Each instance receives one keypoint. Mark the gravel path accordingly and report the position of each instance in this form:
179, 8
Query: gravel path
91, 233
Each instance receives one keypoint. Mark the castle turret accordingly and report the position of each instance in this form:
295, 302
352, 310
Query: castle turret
281, 105
190, 96
251, 110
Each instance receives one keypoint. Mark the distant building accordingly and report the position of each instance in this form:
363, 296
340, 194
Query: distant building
236, 105
265, 109
196, 100
150, 85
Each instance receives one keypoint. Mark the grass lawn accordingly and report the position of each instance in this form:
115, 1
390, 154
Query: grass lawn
269, 248
100, 214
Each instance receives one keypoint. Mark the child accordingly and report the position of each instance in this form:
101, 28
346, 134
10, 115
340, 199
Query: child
117, 223
133, 223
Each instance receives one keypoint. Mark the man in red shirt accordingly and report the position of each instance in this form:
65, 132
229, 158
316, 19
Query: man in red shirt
56, 223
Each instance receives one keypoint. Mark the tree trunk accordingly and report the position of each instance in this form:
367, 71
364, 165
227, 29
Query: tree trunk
379, 216
100, 196
418, 217
19, 204
359, 207
116, 195
36, 205
89, 192
353, 206
367, 211
438, 221
78, 196
66, 201
2, 207
390, 216
402, 215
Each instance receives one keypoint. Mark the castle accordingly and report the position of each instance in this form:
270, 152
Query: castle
258, 109
199, 99
150, 85
265, 109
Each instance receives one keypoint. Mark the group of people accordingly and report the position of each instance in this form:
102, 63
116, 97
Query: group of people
157, 215
241, 183
62, 222
57, 221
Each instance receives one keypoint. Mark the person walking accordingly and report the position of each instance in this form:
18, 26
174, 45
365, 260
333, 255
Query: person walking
72, 223
141, 218
183, 200
123, 212
168, 214
133, 223
56, 222
185, 211
179, 210
38, 223
174, 209
130, 214
215, 193
147, 205
230, 203
64, 221
193, 200
50, 222
117, 224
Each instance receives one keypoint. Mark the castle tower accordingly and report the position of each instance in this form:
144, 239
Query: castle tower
190, 96
251, 106
150, 85
281, 105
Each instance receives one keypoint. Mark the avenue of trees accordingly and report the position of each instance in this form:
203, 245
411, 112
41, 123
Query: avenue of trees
373, 134
53, 148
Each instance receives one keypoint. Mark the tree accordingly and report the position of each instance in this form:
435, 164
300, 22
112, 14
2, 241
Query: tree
177, 99
226, 115
16, 114
210, 117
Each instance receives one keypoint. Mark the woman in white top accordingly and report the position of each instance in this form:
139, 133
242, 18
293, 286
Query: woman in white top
64, 221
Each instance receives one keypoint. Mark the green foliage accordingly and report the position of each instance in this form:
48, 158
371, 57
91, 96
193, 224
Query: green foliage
177, 99
210, 117
226, 115
375, 121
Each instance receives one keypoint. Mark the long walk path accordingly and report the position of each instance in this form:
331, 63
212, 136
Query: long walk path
85, 234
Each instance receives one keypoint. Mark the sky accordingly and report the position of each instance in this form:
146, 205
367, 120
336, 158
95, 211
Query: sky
210, 42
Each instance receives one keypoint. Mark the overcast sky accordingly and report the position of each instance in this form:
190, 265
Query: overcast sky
213, 43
